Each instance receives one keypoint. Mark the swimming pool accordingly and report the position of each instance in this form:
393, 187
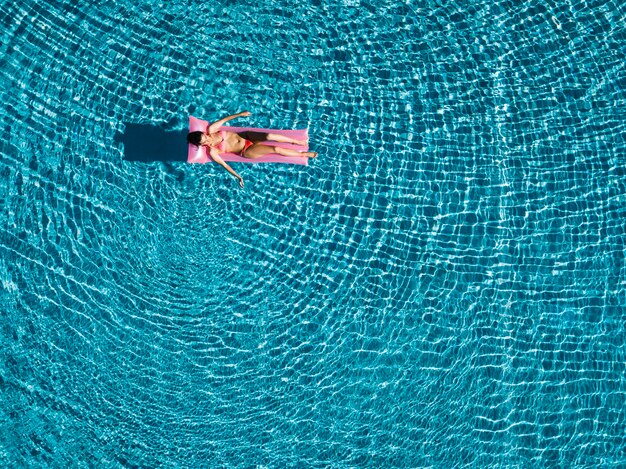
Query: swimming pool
444, 287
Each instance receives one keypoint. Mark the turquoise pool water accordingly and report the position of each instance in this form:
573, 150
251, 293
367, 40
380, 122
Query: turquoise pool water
444, 287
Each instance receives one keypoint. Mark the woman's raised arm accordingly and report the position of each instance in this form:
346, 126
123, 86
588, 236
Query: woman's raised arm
214, 127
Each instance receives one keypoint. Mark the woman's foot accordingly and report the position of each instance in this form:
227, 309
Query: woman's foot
309, 154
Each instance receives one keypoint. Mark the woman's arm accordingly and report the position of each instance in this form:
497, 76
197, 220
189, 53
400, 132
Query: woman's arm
214, 127
218, 159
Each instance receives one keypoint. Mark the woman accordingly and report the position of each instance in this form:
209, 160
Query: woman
246, 144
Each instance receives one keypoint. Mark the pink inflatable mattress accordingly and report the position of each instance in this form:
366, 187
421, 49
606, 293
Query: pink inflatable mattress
200, 155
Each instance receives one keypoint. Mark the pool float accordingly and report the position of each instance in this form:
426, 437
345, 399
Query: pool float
200, 155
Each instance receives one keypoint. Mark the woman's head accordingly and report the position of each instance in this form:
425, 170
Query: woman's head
195, 138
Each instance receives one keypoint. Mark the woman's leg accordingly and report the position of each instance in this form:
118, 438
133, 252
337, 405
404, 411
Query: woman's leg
257, 151
284, 139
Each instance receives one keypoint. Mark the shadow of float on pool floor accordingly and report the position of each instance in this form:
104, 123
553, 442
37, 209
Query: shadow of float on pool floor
148, 143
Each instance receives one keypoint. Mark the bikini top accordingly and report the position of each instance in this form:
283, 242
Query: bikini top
222, 145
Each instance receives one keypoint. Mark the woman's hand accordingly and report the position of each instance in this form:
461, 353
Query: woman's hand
245, 113
240, 181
